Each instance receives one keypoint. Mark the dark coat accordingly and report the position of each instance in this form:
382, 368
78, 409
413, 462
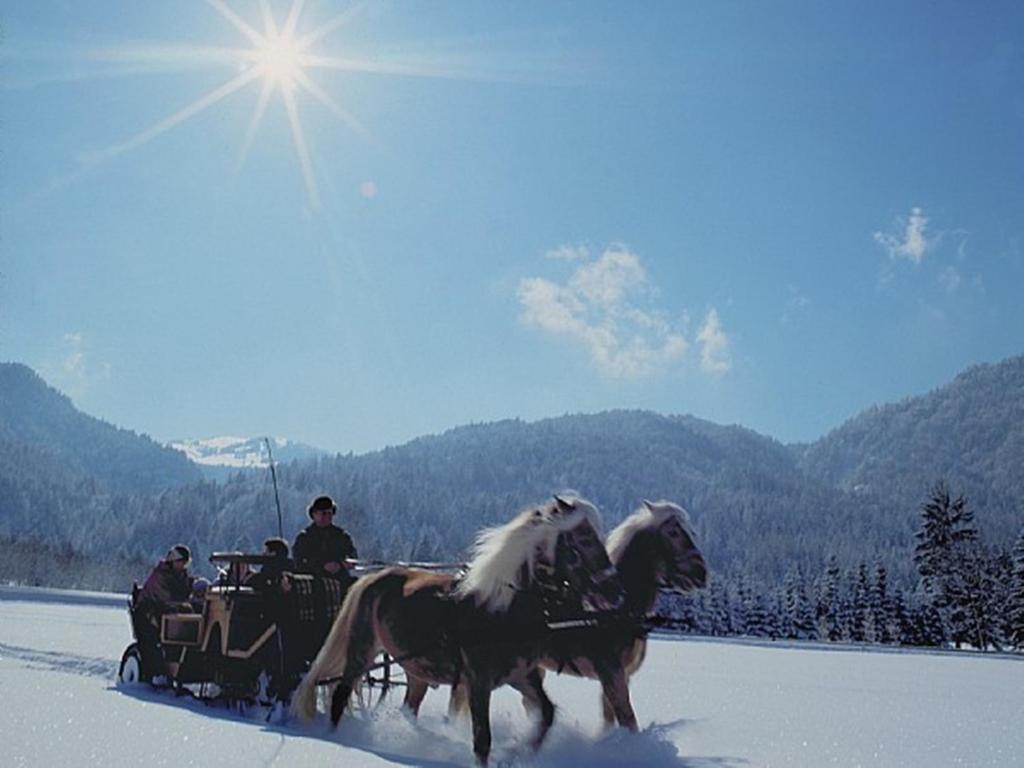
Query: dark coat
269, 576
315, 546
166, 589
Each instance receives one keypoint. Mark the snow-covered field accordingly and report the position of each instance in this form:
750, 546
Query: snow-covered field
700, 703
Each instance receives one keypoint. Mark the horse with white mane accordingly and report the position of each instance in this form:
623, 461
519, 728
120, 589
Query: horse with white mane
654, 548
484, 631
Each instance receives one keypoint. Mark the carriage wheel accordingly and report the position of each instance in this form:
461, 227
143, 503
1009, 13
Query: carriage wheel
131, 671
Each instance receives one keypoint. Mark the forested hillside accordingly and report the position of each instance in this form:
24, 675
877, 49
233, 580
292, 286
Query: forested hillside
969, 432
762, 510
42, 434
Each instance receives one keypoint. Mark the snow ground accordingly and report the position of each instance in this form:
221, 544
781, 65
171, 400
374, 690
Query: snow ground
701, 703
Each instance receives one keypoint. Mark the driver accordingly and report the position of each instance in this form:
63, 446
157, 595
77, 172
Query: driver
321, 548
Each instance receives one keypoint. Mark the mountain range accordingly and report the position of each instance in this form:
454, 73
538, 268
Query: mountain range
760, 507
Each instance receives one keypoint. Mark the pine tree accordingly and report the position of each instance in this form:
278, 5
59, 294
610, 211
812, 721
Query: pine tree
879, 606
859, 616
754, 622
1016, 606
798, 623
899, 618
1000, 602
943, 556
827, 610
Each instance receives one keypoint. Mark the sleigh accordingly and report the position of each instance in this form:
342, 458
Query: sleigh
240, 643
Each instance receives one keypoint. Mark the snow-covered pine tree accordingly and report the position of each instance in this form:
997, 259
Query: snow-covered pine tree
1000, 579
860, 616
798, 621
969, 588
719, 607
827, 610
879, 606
942, 554
754, 623
899, 618
1016, 607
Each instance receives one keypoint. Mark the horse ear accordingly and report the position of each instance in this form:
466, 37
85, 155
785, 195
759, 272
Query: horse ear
565, 506
648, 504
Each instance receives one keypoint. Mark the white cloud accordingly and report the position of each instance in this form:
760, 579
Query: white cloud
599, 307
569, 253
715, 357
76, 370
912, 243
74, 358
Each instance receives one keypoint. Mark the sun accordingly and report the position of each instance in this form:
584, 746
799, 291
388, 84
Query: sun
281, 60
277, 61
277, 57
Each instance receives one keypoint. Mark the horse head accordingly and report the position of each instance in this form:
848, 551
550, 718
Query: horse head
661, 543
684, 566
556, 544
581, 562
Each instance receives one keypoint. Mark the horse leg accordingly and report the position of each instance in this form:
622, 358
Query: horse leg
458, 700
415, 691
616, 694
480, 709
339, 701
536, 698
606, 711
362, 647
532, 705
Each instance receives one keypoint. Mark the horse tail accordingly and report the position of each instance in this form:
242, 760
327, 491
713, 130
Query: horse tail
350, 645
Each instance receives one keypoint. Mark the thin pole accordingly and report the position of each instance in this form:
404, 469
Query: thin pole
277, 499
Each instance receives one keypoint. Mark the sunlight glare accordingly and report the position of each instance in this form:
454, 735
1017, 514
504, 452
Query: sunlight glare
280, 59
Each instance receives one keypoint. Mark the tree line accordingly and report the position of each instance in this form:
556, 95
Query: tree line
968, 594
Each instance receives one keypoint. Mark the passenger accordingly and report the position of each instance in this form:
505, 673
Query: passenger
321, 548
198, 596
168, 589
169, 586
235, 574
274, 582
275, 574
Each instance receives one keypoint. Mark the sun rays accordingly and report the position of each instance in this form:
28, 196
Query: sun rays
276, 59
276, 63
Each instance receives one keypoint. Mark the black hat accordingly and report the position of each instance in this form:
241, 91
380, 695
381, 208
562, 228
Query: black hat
322, 502
178, 552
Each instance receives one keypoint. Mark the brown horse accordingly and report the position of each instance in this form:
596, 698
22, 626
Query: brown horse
652, 549
485, 630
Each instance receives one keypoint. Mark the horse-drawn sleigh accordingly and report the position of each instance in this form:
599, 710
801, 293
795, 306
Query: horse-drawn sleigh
539, 592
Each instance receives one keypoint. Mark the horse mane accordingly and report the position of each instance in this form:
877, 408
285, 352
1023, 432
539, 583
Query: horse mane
646, 517
496, 571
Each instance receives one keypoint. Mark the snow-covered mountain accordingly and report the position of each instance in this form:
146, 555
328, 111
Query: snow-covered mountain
233, 453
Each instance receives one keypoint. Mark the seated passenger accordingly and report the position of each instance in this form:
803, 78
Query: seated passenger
169, 585
198, 596
275, 574
168, 589
234, 575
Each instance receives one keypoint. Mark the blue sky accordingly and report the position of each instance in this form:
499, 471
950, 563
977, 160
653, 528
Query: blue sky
766, 214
